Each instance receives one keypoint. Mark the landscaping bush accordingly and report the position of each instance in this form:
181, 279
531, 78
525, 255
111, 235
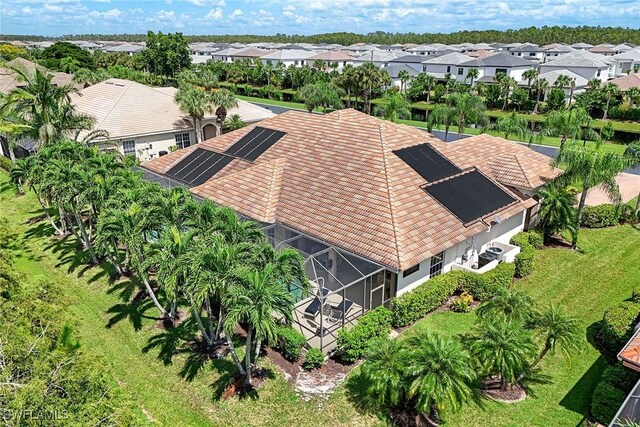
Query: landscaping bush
618, 323
313, 360
426, 297
528, 242
616, 382
352, 343
606, 215
628, 215
536, 239
290, 342
487, 285
460, 306
6, 163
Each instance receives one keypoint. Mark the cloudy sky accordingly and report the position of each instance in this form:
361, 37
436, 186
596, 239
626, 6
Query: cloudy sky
59, 17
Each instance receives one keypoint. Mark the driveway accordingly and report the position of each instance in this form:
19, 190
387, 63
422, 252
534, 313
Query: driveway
629, 184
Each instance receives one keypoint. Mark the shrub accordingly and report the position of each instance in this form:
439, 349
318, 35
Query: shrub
616, 382
460, 306
426, 297
528, 242
313, 360
536, 239
606, 215
6, 163
618, 323
628, 215
352, 343
487, 285
290, 342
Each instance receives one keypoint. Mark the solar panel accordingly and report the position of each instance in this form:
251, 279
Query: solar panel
199, 166
426, 160
469, 196
252, 145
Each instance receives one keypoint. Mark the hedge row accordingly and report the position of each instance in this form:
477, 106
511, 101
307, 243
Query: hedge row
528, 242
289, 342
616, 382
431, 294
617, 325
353, 343
607, 215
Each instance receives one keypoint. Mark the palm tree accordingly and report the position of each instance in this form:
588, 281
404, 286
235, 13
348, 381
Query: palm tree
370, 77
557, 330
565, 124
506, 84
502, 348
530, 75
541, 86
384, 373
428, 82
224, 100
472, 74
440, 373
195, 103
592, 167
467, 109
512, 124
442, 114
563, 81
321, 94
610, 90
557, 210
347, 81
404, 77
514, 305
260, 297
394, 107
234, 122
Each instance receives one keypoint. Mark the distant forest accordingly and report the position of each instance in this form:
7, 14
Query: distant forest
541, 36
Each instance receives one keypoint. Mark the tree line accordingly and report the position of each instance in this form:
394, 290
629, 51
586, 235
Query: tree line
539, 35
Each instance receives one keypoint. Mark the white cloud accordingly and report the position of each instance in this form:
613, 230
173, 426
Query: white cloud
215, 14
103, 1
52, 7
218, 3
109, 14
236, 13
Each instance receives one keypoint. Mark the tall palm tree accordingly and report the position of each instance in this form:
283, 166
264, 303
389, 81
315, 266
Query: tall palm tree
564, 124
195, 103
592, 167
256, 302
467, 109
610, 91
472, 75
442, 114
394, 107
514, 305
557, 210
440, 374
224, 100
502, 348
506, 84
540, 85
558, 331
530, 75
404, 77
347, 81
321, 94
512, 124
370, 78
563, 81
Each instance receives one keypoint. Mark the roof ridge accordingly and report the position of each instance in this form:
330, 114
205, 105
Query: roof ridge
277, 168
97, 126
523, 170
391, 199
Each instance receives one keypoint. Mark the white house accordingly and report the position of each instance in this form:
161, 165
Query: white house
295, 57
225, 55
581, 62
446, 64
146, 121
413, 61
501, 62
379, 58
335, 58
625, 62
528, 51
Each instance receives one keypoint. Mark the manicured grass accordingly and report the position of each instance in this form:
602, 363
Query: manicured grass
585, 285
182, 390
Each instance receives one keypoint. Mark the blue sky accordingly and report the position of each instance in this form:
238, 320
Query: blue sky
59, 17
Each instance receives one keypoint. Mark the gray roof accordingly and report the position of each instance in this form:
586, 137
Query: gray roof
289, 54
527, 48
394, 70
581, 45
409, 59
579, 58
453, 58
499, 60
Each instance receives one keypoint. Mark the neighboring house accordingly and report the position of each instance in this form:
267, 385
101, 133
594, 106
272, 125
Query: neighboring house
583, 63
554, 51
430, 49
603, 49
413, 61
360, 48
249, 54
551, 77
146, 121
379, 58
225, 55
581, 46
480, 53
394, 72
629, 411
9, 80
625, 62
528, 51
490, 66
447, 64
128, 48
295, 57
622, 47
376, 208
339, 58
205, 49
627, 82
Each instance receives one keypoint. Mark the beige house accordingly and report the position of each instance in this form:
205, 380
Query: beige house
146, 121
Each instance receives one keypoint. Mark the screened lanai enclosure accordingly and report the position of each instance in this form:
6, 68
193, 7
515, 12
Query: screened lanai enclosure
343, 286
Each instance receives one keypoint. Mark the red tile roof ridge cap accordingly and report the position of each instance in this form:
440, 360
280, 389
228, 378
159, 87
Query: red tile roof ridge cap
274, 188
523, 171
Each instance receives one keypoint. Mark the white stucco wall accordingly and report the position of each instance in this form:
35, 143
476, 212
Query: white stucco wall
498, 233
588, 73
148, 147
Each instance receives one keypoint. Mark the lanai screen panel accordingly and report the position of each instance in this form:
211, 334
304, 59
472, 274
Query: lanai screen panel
428, 162
199, 166
469, 196
257, 141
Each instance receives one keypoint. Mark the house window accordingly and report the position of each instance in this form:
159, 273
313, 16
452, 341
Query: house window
532, 54
448, 68
501, 70
183, 140
460, 71
295, 63
437, 262
129, 147
424, 68
410, 271
598, 73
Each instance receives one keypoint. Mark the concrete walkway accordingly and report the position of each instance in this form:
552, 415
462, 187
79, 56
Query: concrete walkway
629, 187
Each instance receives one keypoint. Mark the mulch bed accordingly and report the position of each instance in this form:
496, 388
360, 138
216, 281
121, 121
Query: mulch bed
557, 242
512, 394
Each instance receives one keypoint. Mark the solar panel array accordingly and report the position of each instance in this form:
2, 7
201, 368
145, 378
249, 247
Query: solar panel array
469, 196
199, 166
252, 145
425, 160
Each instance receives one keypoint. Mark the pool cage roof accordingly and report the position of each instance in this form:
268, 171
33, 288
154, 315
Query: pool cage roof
629, 412
327, 266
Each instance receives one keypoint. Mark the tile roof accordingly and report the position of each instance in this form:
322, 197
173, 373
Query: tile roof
251, 52
500, 59
9, 80
627, 82
579, 58
333, 55
552, 76
507, 162
289, 54
453, 58
335, 177
630, 353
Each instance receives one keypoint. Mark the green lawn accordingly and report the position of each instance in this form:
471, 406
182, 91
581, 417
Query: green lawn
110, 326
584, 284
